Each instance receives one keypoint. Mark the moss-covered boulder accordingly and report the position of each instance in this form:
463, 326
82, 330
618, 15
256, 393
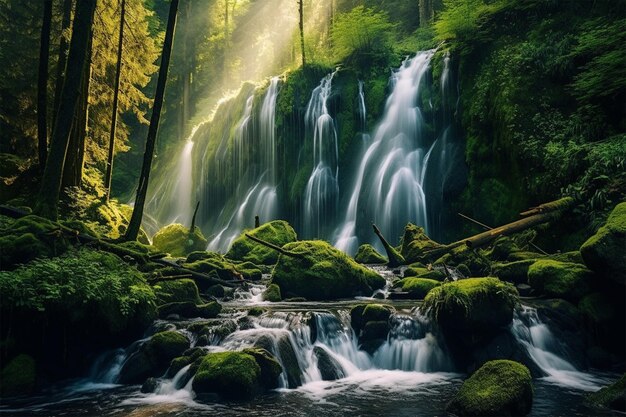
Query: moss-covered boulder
270, 367
177, 291
565, 280
272, 293
215, 264
231, 375
318, 271
249, 271
471, 310
18, 376
189, 309
371, 324
423, 272
153, 357
498, 388
477, 264
613, 396
178, 240
368, 255
516, 272
418, 287
278, 232
604, 251
415, 243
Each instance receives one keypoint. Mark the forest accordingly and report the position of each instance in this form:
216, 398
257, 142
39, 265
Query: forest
313, 207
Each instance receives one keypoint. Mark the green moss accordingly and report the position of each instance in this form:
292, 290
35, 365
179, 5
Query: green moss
10, 165
167, 345
18, 376
573, 256
214, 263
424, 273
270, 367
272, 293
278, 232
256, 311
524, 256
188, 309
321, 272
604, 251
498, 388
560, 279
232, 375
178, 241
415, 242
368, 255
418, 287
249, 271
471, 308
362, 314
612, 396
516, 272
178, 290
598, 308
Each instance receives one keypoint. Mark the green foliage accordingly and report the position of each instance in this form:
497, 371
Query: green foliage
278, 232
321, 272
232, 375
178, 241
18, 376
82, 288
362, 36
565, 280
498, 388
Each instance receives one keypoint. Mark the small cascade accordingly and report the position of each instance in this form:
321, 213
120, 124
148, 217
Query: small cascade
549, 353
242, 135
388, 184
362, 108
322, 189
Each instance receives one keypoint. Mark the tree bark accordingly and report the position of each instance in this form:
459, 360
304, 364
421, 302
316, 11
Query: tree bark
62, 60
142, 189
394, 258
116, 91
301, 14
51, 182
42, 84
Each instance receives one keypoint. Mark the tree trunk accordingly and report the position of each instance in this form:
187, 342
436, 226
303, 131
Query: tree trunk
135, 221
116, 91
79, 45
301, 13
75, 156
42, 84
62, 62
394, 258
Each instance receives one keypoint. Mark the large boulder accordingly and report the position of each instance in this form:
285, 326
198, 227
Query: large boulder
498, 388
18, 376
612, 396
231, 375
278, 232
177, 291
604, 251
469, 311
417, 287
565, 280
318, 271
178, 240
368, 255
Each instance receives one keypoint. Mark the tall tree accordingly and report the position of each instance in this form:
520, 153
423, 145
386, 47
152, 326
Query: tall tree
51, 182
135, 222
116, 91
62, 59
42, 84
301, 14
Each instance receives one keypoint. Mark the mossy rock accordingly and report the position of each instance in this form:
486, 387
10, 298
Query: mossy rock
270, 367
524, 256
322, 272
178, 241
177, 291
604, 251
516, 272
362, 314
278, 232
10, 165
419, 272
18, 376
167, 344
470, 310
572, 256
249, 271
414, 244
418, 287
231, 375
477, 264
28, 238
188, 309
500, 249
565, 280
612, 396
368, 255
598, 308
215, 291
215, 264
272, 293
498, 388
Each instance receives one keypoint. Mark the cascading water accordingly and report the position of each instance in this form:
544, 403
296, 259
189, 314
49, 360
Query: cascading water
388, 183
362, 108
256, 182
322, 189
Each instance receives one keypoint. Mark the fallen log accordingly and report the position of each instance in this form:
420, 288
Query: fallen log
276, 247
394, 258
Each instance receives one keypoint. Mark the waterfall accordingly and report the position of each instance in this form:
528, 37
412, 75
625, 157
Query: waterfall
548, 352
388, 185
322, 189
362, 108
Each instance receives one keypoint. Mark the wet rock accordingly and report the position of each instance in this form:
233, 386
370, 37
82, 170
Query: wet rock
231, 375
560, 279
178, 240
329, 368
418, 287
612, 396
270, 368
150, 385
190, 310
272, 293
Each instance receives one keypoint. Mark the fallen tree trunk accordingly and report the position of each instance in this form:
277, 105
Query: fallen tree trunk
395, 259
276, 247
